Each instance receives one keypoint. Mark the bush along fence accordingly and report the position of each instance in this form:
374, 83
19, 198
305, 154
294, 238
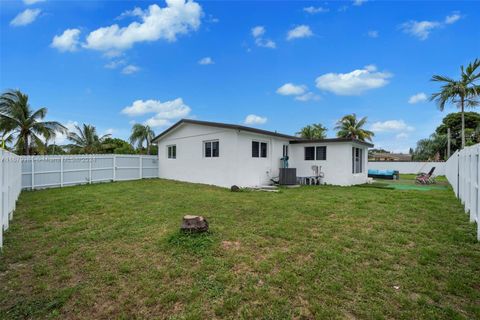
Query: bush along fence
463, 173
10, 180
39, 172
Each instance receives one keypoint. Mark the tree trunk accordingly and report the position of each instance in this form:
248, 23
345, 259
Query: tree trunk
26, 147
463, 122
148, 148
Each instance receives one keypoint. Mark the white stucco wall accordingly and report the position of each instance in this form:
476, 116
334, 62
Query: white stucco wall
337, 168
235, 164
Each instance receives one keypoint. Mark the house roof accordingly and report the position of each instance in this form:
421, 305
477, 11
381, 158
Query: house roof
224, 125
300, 140
292, 139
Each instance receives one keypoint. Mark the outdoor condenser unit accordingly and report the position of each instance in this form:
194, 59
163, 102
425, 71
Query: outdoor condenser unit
288, 176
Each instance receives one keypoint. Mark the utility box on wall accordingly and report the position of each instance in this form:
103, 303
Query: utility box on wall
288, 176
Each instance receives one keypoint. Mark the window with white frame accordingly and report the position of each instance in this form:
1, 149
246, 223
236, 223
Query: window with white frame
172, 152
316, 153
259, 149
357, 160
211, 149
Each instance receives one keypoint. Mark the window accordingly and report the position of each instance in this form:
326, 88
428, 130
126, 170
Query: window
263, 150
211, 149
259, 149
285, 150
357, 160
172, 152
316, 153
309, 153
321, 153
255, 149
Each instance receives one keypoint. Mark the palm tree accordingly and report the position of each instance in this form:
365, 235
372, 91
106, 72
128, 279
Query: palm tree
140, 134
463, 92
86, 139
313, 131
350, 127
7, 137
26, 124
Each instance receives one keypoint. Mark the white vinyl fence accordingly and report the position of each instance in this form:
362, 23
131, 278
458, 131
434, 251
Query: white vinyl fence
10, 181
409, 166
39, 172
462, 171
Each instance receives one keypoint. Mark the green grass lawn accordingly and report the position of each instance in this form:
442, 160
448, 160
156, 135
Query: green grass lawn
114, 251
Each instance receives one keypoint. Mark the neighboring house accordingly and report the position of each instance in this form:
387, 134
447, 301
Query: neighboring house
226, 154
390, 157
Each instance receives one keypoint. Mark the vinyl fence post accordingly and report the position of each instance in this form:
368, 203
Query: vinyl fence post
61, 171
90, 169
141, 166
114, 167
473, 180
33, 174
1, 204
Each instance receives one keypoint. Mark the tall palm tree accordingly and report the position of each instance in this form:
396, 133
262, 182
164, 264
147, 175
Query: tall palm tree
313, 131
140, 134
86, 139
463, 92
350, 127
26, 124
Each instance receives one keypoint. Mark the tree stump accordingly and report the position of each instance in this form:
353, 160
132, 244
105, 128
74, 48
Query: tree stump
194, 224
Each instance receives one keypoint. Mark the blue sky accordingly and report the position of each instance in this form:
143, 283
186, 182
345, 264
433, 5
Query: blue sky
273, 65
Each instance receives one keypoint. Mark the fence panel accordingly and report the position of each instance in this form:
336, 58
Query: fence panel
40, 172
463, 173
10, 188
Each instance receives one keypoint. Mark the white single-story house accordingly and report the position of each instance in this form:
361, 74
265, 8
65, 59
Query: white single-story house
227, 154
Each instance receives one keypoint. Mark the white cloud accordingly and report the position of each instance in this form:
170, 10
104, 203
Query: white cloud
206, 61
258, 32
420, 29
177, 18
391, 126
290, 89
302, 31
358, 2
417, 98
25, 17
109, 131
353, 83
402, 136
30, 2
307, 97
300, 92
314, 10
135, 12
373, 34
164, 111
115, 64
130, 69
67, 41
254, 119
265, 43
454, 17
